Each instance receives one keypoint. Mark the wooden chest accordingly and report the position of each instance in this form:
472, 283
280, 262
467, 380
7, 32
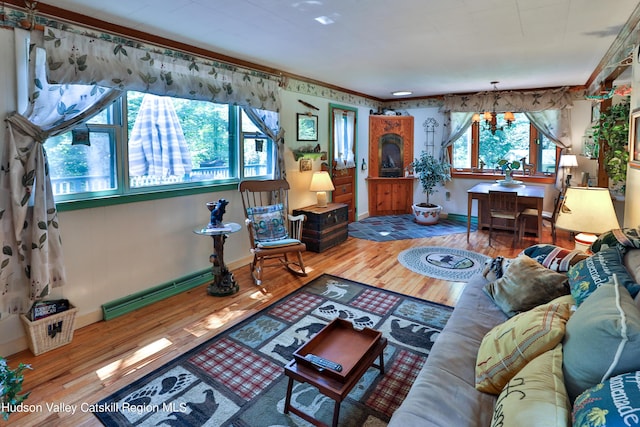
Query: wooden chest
325, 227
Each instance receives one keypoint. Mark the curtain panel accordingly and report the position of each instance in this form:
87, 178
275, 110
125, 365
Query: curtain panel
343, 132
269, 123
32, 257
90, 59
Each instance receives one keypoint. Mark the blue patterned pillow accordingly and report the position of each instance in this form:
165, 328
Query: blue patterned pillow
268, 222
615, 402
587, 275
623, 239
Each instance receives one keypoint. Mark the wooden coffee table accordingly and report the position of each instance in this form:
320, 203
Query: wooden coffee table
355, 350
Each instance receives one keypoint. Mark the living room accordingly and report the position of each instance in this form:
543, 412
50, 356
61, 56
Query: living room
115, 250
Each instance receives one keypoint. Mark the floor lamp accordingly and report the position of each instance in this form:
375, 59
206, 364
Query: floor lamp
587, 211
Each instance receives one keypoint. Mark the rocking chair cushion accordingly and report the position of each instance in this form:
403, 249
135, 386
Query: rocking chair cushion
278, 243
268, 222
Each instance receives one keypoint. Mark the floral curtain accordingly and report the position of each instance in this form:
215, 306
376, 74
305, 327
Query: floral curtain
32, 257
269, 123
548, 111
90, 59
344, 131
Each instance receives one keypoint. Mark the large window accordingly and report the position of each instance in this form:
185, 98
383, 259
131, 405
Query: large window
146, 143
481, 148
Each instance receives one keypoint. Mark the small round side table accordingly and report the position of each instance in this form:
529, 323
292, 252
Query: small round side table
223, 281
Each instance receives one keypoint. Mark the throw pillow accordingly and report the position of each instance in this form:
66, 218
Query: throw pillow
495, 268
508, 347
536, 396
268, 222
602, 339
616, 402
587, 275
525, 285
632, 264
622, 239
554, 257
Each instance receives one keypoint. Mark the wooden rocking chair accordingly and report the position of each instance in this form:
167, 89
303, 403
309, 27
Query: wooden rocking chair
274, 234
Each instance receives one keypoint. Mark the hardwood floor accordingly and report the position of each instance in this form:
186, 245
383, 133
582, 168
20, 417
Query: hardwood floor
105, 356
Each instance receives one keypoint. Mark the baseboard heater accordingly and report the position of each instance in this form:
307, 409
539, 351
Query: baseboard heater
141, 299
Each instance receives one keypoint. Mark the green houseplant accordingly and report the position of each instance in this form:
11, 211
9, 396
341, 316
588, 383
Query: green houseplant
613, 129
11, 386
430, 172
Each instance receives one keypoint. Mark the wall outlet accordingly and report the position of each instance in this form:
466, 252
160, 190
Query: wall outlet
447, 196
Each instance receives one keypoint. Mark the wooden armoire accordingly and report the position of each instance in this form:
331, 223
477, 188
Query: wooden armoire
390, 154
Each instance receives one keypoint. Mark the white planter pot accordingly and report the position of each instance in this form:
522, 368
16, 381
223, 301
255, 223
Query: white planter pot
426, 215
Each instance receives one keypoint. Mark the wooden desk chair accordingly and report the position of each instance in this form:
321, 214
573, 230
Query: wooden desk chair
273, 233
546, 216
504, 205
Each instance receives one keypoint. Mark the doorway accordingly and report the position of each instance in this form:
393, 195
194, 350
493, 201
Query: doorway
342, 155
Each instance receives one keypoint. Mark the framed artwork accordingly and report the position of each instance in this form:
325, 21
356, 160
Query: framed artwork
307, 126
306, 165
634, 139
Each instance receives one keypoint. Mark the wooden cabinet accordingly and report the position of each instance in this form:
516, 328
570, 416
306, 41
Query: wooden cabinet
325, 227
343, 181
390, 196
390, 152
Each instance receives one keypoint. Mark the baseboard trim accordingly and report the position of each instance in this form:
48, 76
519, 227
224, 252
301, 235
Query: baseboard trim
149, 296
462, 218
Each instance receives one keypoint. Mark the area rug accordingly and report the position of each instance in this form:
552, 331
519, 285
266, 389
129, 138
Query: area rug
456, 265
400, 227
237, 378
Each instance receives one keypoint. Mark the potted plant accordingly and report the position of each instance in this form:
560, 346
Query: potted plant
430, 172
508, 167
10, 386
613, 128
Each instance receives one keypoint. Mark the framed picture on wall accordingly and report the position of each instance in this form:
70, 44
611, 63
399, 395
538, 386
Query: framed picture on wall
307, 126
634, 139
306, 165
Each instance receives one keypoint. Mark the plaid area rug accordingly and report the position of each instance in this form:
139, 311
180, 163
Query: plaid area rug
237, 378
401, 227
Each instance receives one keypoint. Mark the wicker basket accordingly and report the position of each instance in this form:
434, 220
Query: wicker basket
51, 332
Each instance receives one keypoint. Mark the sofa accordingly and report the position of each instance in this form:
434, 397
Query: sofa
445, 392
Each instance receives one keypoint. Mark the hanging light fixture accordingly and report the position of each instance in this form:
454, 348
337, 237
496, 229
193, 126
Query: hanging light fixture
491, 117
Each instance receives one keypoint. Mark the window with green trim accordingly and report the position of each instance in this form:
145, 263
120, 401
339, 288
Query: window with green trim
146, 143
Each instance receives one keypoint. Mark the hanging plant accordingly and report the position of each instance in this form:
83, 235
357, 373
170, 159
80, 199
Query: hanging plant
613, 129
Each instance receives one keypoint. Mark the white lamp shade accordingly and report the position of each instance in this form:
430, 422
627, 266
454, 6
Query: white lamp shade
587, 210
568, 161
321, 181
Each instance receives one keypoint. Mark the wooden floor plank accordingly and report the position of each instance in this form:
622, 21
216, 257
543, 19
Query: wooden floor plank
105, 356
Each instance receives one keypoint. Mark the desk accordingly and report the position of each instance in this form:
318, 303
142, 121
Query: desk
528, 196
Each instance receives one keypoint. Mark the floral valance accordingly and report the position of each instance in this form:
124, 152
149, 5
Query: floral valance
88, 59
501, 101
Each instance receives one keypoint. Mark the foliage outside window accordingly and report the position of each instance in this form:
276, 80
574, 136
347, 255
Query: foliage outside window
128, 150
479, 147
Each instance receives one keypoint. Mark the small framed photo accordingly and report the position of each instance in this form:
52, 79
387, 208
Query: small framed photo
307, 126
306, 165
634, 139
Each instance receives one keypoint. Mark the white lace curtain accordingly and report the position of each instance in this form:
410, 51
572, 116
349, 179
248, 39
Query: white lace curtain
343, 134
32, 260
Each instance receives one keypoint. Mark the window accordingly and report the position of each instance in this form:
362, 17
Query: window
479, 147
144, 143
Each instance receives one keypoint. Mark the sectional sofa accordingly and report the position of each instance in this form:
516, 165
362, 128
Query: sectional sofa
542, 339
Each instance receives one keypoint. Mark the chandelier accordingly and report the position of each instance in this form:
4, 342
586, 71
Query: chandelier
491, 117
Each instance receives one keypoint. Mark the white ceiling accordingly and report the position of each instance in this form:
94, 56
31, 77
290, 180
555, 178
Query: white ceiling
375, 47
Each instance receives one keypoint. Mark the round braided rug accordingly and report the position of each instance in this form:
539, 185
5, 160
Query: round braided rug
439, 262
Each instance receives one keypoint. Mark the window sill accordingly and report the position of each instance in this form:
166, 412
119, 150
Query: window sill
539, 179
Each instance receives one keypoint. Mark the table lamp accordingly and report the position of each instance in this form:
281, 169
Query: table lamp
568, 161
321, 183
587, 211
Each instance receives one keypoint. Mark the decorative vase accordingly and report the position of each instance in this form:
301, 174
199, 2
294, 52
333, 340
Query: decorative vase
426, 214
507, 175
